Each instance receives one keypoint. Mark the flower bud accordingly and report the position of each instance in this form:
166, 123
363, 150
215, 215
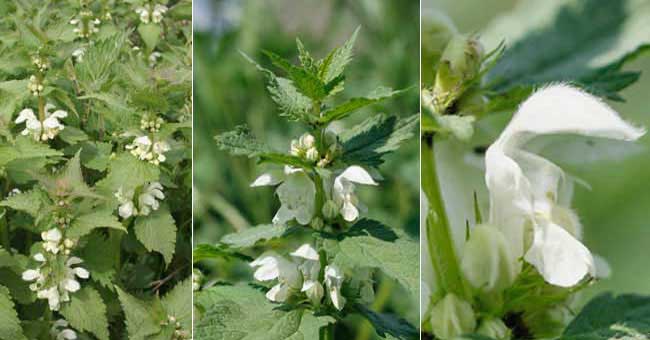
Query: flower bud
312, 154
494, 328
317, 223
330, 210
307, 141
488, 263
452, 317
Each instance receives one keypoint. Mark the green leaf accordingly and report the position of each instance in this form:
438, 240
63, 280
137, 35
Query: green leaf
586, 44
86, 311
128, 173
206, 252
398, 258
68, 180
306, 82
150, 33
334, 64
101, 264
625, 316
140, 320
352, 104
31, 202
178, 303
157, 232
10, 328
99, 59
367, 142
25, 148
252, 236
387, 324
84, 224
243, 312
240, 142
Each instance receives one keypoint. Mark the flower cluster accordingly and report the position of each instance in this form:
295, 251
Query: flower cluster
60, 331
146, 202
144, 149
41, 63
78, 54
304, 275
56, 275
85, 24
153, 58
45, 130
179, 333
304, 147
151, 123
35, 86
150, 13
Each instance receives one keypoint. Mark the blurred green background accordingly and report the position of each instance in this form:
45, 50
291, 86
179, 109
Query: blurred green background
615, 213
229, 91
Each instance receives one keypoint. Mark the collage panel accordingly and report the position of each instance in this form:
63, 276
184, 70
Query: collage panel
95, 169
533, 169
306, 170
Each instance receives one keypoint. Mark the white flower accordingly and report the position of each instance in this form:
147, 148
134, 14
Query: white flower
52, 296
148, 200
60, 331
52, 240
153, 58
48, 129
296, 193
126, 208
145, 150
343, 191
143, 13
305, 147
273, 267
526, 188
157, 14
154, 15
78, 54
333, 281
310, 269
35, 86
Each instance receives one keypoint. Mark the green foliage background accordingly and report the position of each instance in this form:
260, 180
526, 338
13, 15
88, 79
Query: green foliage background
614, 212
229, 91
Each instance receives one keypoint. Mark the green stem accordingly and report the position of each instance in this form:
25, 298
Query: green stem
328, 332
440, 242
4, 232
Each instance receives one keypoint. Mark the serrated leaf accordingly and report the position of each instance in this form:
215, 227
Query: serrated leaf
398, 258
84, 224
306, 82
388, 325
128, 173
345, 109
99, 59
240, 142
150, 33
178, 303
334, 64
25, 148
31, 202
367, 142
625, 316
140, 320
603, 36
10, 328
206, 252
243, 312
101, 264
251, 236
157, 232
86, 311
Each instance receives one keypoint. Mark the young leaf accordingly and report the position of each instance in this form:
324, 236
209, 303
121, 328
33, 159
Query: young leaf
206, 252
334, 64
86, 311
352, 104
243, 312
85, 223
240, 142
387, 324
140, 320
586, 44
251, 236
10, 328
306, 82
31, 202
369, 141
157, 232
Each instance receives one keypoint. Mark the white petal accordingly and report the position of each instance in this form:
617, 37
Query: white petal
71, 285
357, 174
59, 114
268, 270
81, 272
73, 260
31, 275
337, 299
269, 178
306, 251
53, 235
25, 115
67, 334
560, 258
603, 269
282, 216
278, 293
39, 257
126, 210
349, 212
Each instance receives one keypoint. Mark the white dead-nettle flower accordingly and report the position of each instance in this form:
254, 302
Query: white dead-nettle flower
153, 14
153, 58
48, 129
272, 267
52, 240
343, 191
151, 123
530, 196
197, 279
310, 269
60, 330
53, 283
85, 25
148, 200
78, 54
14, 192
333, 281
144, 149
305, 147
35, 86
41, 63
296, 192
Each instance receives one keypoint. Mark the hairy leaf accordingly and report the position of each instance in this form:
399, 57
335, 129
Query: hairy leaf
84, 224
352, 104
251, 236
178, 303
31, 202
10, 328
157, 232
334, 64
387, 324
86, 311
240, 142
306, 82
206, 252
141, 320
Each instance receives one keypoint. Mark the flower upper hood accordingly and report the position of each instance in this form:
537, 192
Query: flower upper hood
525, 188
